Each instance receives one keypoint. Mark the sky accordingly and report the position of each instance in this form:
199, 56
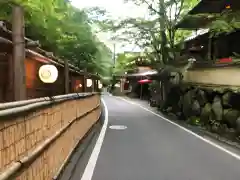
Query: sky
117, 9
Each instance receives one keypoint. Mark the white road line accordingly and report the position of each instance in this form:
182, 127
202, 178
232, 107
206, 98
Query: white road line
89, 170
187, 130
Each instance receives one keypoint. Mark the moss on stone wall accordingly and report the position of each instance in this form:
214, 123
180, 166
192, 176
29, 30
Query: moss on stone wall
217, 110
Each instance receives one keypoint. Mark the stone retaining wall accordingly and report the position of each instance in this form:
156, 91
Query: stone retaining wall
218, 111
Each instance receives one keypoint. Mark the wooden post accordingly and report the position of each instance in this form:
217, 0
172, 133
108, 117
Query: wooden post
210, 41
93, 84
66, 76
18, 34
84, 83
85, 80
96, 85
10, 87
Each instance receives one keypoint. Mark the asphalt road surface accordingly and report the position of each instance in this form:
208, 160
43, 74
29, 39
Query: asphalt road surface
152, 148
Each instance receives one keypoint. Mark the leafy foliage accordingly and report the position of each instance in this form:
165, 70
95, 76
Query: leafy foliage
157, 33
65, 31
124, 63
225, 22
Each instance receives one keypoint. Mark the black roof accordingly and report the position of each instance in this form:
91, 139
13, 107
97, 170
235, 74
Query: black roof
209, 6
194, 22
206, 7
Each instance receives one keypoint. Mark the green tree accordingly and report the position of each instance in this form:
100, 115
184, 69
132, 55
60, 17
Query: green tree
224, 22
65, 31
157, 33
125, 62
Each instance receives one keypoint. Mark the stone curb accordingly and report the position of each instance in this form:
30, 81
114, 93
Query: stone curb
221, 139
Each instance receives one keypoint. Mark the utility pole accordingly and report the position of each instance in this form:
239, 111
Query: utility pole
114, 54
18, 35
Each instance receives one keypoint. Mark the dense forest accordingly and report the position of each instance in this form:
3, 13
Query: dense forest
63, 30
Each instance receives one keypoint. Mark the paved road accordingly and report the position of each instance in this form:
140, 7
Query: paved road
154, 149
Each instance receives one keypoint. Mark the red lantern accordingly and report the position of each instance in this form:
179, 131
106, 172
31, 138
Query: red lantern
224, 60
143, 81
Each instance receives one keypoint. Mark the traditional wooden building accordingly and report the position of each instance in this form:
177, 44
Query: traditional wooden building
36, 57
203, 45
137, 80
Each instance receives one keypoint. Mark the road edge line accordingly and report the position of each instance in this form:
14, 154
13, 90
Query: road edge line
90, 167
185, 129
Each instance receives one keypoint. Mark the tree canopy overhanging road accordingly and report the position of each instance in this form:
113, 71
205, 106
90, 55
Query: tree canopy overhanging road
64, 31
135, 142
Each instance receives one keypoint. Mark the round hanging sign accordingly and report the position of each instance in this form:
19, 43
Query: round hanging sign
48, 73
